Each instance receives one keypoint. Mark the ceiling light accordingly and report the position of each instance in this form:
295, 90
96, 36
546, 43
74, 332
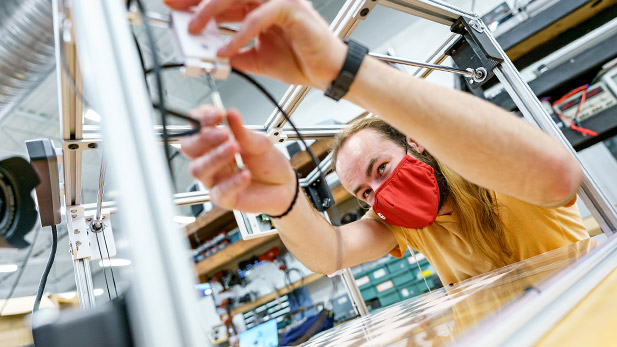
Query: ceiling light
93, 116
98, 291
8, 268
114, 262
184, 219
67, 295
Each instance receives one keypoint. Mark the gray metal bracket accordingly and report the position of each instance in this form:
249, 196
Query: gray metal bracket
474, 49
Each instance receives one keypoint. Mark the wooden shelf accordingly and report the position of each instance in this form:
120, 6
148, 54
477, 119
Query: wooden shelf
302, 161
231, 253
210, 223
269, 297
340, 194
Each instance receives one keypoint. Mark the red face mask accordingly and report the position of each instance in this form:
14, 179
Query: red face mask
409, 197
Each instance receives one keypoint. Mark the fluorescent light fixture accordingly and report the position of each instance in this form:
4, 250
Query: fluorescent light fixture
114, 262
184, 219
93, 116
8, 268
67, 295
98, 291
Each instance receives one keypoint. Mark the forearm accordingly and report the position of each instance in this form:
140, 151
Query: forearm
483, 143
310, 238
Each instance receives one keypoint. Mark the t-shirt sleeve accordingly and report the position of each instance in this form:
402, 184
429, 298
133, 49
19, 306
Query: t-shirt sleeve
399, 250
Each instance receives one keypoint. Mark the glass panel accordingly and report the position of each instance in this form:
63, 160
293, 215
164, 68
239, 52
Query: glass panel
441, 316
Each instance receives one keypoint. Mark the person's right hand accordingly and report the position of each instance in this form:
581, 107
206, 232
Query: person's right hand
292, 42
268, 183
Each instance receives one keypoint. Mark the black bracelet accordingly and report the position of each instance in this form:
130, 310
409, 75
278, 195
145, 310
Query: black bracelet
293, 202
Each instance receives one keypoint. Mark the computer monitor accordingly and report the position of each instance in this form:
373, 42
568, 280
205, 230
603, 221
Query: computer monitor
263, 335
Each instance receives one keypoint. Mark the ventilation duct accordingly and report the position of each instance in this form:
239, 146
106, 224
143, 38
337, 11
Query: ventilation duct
26, 49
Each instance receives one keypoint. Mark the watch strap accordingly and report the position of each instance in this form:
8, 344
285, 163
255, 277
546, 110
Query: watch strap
355, 55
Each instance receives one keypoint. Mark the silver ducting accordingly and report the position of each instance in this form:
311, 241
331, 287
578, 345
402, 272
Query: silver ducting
26, 49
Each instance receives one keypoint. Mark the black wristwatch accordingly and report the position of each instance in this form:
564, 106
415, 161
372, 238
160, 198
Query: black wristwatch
353, 60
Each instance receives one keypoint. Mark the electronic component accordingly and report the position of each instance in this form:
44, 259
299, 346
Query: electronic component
610, 79
596, 98
198, 52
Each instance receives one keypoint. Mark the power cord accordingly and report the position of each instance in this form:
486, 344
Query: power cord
21, 271
50, 262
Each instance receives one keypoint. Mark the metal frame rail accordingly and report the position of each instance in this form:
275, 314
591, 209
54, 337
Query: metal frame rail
111, 71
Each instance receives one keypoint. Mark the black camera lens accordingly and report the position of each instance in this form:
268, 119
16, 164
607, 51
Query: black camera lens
17, 210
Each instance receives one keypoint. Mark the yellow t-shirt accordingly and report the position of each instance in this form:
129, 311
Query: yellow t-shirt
532, 230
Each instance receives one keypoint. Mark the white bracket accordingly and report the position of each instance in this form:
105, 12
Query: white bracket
84, 243
277, 135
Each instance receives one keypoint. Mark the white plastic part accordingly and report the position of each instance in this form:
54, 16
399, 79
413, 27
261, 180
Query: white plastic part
199, 51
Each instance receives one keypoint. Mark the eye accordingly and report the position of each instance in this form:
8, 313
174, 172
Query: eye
366, 193
381, 169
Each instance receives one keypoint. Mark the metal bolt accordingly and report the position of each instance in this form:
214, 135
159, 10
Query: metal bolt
364, 12
326, 202
74, 211
74, 216
276, 133
92, 145
76, 231
73, 146
475, 25
89, 219
281, 140
103, 217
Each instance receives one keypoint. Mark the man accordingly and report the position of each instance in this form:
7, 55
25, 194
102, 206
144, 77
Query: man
496, 194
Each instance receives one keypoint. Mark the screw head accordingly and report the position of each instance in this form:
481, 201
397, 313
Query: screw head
73, 146
74, 216
76, 231
78, 243
364, 12
92, 145
74, 211
89, 219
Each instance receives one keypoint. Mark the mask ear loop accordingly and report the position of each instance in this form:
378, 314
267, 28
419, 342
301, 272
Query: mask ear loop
416, 260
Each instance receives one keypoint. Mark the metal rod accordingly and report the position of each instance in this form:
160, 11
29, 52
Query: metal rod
99, 196
354, 292
397, 60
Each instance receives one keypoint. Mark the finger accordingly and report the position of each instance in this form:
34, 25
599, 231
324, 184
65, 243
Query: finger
246, 61
235, 14
259, 20
210, 10
181, 4
250, 141
208, 115
206, 167
207, 139
226, 192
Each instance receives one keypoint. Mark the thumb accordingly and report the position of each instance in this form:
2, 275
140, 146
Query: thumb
250, 141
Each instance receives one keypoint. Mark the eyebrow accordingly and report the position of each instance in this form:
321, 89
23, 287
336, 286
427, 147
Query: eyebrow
369, 169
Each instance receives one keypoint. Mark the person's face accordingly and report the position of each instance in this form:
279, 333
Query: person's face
366, 160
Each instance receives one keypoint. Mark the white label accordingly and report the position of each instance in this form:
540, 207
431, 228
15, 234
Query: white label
405, 292
381, 216
379, 273
362, 281
385, 286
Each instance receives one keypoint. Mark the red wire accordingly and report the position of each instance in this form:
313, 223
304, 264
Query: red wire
570, 122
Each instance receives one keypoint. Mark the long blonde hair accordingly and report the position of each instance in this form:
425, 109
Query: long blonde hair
475, 206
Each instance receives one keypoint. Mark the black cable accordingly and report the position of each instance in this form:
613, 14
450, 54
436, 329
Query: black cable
103, 262
334, 213
50, 262
113, 278
159, 83
21, 272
